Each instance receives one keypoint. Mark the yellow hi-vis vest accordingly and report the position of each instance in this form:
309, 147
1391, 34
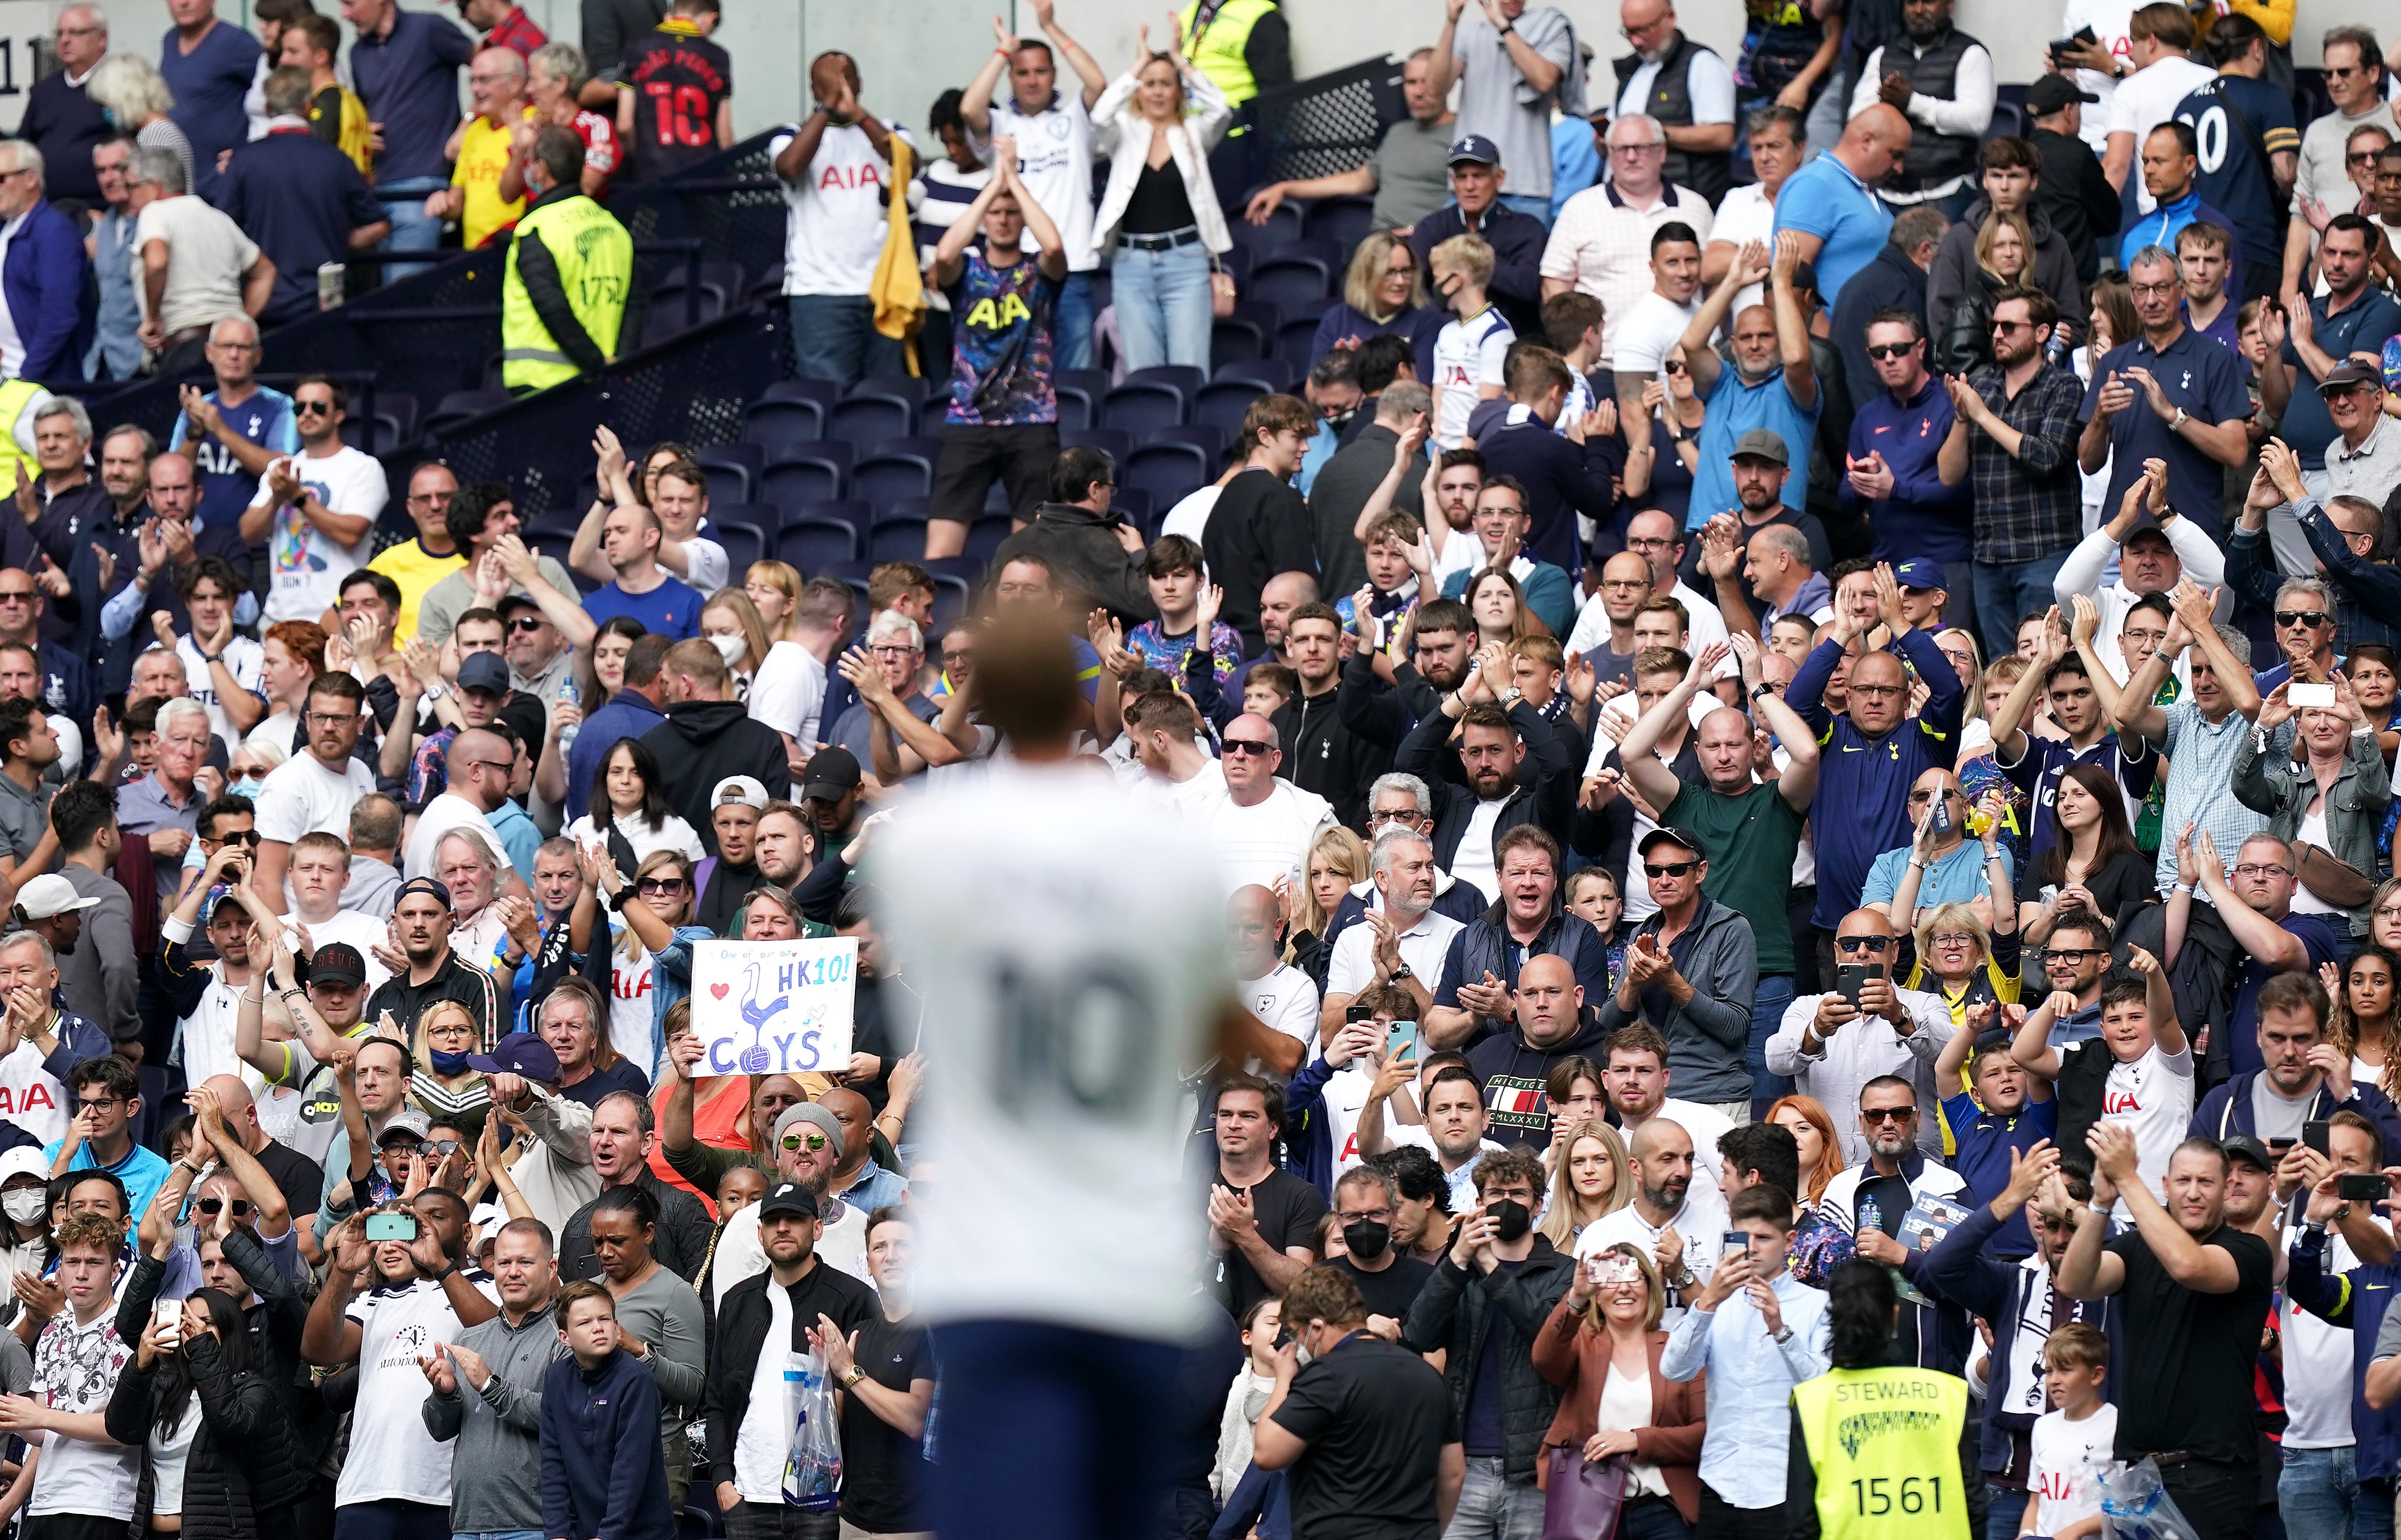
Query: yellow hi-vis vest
596, 267
1885, 1446
15, 464
1217, 53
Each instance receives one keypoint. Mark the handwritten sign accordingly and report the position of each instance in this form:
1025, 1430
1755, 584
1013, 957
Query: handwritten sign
774, 1007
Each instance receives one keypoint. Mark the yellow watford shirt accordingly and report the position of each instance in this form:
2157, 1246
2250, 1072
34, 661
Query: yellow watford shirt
414, 569
483, 155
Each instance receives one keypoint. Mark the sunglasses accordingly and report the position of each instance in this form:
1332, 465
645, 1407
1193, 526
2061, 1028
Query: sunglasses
1886, 1114
442, 1147
811, 1142
527, 624
1245, 745
312, 408
241, 837
2369, 158
1862, 943
1918, 798
1892, 350
242, 1206
649, 885
1668, 868
2310, 618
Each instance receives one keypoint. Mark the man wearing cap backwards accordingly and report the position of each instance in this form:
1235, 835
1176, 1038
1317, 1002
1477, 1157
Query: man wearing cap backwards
723, 881
40, 1044
51, 907
421, 929
809, 1144
554, 1168
708, 736
1517, 239
788, 1298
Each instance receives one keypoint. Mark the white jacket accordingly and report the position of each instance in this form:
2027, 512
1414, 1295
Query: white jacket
2080, 573
1121, 132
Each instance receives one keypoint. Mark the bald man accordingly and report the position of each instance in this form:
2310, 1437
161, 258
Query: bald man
1676, 1220
1279, 994
1833, 1043
1264, 826
1940, 869
300, 1179
1553, 1023
1749, 829
1831, 204
478, 766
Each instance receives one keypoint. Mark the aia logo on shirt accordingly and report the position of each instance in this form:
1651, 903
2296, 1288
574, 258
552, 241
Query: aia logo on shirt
35, 1097
998, 315
2118, 1103
850, 179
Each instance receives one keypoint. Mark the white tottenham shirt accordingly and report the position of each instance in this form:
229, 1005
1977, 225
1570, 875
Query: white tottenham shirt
1069, 947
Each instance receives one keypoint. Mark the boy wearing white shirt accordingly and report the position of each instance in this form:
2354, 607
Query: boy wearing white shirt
1470, 351
2143, 1076
2073, 1443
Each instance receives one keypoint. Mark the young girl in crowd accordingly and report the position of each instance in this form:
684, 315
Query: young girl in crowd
1247, 1396
1593, 1180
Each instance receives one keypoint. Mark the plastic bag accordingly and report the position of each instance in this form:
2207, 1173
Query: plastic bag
2137, 1505
813, 1470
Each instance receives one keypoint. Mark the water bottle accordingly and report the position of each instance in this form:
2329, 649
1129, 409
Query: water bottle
570, 695
1871, 1217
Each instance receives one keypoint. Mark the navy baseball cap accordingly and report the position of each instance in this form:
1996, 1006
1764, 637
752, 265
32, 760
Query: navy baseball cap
518, 1053
485, 671
1920, 572
1477, 150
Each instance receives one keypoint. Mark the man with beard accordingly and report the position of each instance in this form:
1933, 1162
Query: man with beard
421, 932
1943, 79
1481, 970
1325, 755
487, 1384
1499, 734
2022, 1301
1834, 1048
1674, 1220
808, 1144
2196, 1291
1871, 1201
1381, 703
1403, 940
784, 842
1773, 383
1367, 1201
1484, 1307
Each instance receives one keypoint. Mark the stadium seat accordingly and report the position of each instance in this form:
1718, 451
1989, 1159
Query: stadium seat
1297, 343
914, 388
1139, 408
896, 539
1115, 443
854, 512
1288, 281
1075, 409
1272, 373
1166, 471
820, 392
459, 406
743, 543
916, 446
1233, 339
765, 517
772, 423
884, 480
1282, 229
952, 593
1183, 377
1208, 438
985, 535
865, 421
811, 545
1224, 402
734, 470
1343, 221
795, 485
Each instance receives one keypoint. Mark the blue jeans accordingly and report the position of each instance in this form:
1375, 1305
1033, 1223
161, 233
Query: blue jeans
412, 228
1493, 1507
1071, 324
1650, 1519
1768, 1000
2007, 1512
1068, 1422
2007, 592
1536, 204
1162, 304
2318, 1492
834, 338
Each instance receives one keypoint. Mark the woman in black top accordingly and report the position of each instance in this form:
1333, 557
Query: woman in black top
2093, 864
1160, 219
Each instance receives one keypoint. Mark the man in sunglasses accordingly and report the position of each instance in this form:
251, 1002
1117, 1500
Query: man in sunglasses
1871, 1202
2354, 80
2354, 594
1690, 973
808, 1145
1863, 1030
315, 509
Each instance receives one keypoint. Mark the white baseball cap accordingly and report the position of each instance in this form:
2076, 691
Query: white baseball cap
49, 895
748, 790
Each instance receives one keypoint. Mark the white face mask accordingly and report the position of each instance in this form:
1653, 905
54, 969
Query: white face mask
25, 1206
730, 647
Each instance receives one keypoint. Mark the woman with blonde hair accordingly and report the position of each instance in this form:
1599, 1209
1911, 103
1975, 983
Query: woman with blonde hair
772, 677
1594, 1179
775, 590
1383, 290
656, 925
133, 96
1821, 1147
1964, 962
443, 1085
1337, 863
1601, 1347
1161, 218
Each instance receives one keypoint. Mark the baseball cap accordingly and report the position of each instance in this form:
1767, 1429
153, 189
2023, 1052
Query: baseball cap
485, 671
49, 895
518, 1053
1920, 572
2051, 92
748, 790
338, 962
830, 773
1762, 444
1670, 835
409, 1121
1475, 149
787, 1197
23, 1161
515, 601
2246, 1146
2349, 373
815, 1117
431, 887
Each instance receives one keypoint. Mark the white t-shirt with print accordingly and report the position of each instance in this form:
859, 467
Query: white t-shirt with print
244, 658
631, 1019
1468, 355
392, 1455
2066, 1456
306, 564
764, 1439
1054, 160
301, 795
1286, 1001
30, 1095
75, 1370
833, 235
1745, 215
2152, 1096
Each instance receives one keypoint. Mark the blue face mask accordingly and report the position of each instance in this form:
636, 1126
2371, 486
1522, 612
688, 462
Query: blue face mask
245, 789
449, 1064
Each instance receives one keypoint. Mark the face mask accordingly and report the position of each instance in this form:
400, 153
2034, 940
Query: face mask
1366, 1238
25, 1207
246, 790
730, 648
1302, 1353
1511, 1220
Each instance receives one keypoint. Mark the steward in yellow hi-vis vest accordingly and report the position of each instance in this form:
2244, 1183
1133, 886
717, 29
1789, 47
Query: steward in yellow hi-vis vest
1878, 1452
1243, 45
570, 269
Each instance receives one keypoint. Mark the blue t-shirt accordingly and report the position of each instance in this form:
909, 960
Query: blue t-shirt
2366, 323
2193, 373
2242, 1029
671, 609
2233, 176
209, 85
142, 1171
1000, 343
1838, 208
264, 417
1980, 1146
1955, 877
1735, 408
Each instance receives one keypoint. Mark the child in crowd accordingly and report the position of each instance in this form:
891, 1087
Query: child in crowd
2071, 1444
604, 1469
1266, 687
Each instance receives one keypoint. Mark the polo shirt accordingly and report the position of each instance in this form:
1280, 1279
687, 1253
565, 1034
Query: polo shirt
671, 609
2193, 373
1922, 518
409, 80
145, 808
1735, 406
2372, 470
1602, 245
2365, 323
1750, 840
1824, 199
209, 85
23, 815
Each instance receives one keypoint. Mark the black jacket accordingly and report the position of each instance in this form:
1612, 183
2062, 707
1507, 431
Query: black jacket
1559, 484
243, 1462
1080, 547
1260, 527
1545, 792
1453, 1311
1321, 754
1381, 713
740, 1336
2076, 197
683, 1237
701, 742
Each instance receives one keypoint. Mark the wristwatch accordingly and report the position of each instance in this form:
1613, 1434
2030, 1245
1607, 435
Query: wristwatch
853, 1377
1763, 688
1400, 973
1511, 696
2178, 420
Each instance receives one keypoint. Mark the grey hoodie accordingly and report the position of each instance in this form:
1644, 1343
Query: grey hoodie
496, 1462
1706, 1037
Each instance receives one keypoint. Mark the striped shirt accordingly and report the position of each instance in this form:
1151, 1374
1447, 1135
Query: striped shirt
2202, 757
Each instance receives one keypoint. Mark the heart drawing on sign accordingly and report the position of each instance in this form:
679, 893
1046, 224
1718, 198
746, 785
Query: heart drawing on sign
719, 989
